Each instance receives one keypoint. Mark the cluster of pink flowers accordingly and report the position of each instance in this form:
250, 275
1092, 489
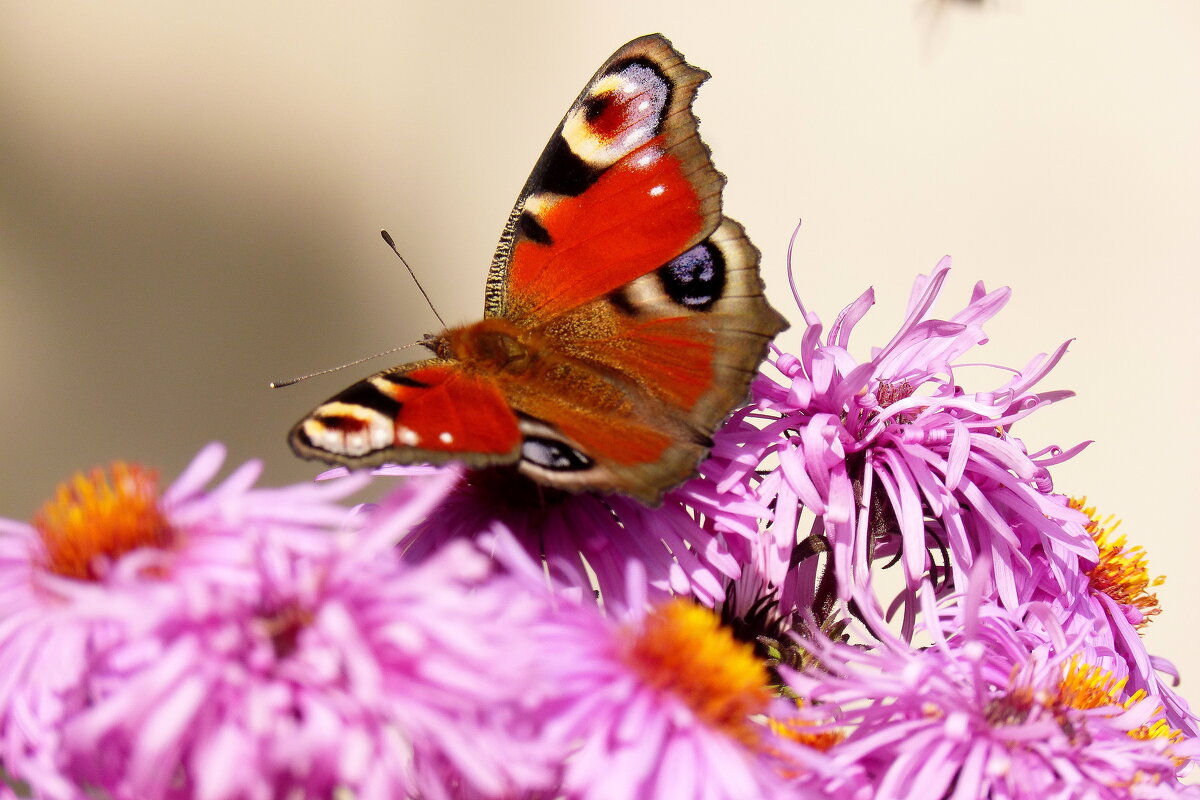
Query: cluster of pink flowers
221, 641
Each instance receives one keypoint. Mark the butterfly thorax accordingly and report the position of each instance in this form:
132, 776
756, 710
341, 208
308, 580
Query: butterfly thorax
492, 345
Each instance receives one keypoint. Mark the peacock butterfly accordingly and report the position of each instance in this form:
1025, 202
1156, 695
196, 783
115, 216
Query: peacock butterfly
623, 319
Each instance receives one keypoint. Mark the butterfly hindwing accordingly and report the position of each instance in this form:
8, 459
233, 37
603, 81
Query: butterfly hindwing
667, 357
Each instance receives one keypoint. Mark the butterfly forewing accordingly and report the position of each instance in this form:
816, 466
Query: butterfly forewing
426, 412
623, 186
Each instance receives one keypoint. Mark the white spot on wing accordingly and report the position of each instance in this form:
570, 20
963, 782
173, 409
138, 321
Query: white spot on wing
381, 435
657, 190
445, 438
407, 436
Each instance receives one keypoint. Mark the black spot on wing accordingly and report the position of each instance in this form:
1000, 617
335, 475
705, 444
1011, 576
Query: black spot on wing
561, 171
553, 455
595, 105
533, 229
366, 395
695, 279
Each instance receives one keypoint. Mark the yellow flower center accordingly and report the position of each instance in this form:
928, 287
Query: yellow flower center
101, 516
1158, 729
682, 648
1122, 572
1084, 686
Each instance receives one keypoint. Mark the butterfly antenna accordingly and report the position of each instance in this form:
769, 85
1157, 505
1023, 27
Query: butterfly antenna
290, 381
387, 237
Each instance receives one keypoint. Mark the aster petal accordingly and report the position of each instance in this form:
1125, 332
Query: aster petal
202, 469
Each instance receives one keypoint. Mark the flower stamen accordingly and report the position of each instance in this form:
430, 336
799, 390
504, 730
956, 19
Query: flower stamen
1084, 686
682, 648
1122, 572
101, 516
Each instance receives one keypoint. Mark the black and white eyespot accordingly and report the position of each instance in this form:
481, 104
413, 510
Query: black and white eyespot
696, 278
544, 448
622, 110
553, 455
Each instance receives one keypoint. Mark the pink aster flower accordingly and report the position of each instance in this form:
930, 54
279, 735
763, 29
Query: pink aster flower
995, 708
894, 459
331, 667
100, 564
1109, 601
655, 699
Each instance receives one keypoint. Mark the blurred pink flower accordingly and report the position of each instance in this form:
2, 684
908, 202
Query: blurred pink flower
106, 562
275, 643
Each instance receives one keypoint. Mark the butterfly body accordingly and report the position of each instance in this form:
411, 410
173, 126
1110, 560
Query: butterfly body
624, 315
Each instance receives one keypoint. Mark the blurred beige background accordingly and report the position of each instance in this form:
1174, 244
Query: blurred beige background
190, 196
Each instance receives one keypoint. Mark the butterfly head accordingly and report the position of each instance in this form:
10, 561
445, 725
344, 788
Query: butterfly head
437, 343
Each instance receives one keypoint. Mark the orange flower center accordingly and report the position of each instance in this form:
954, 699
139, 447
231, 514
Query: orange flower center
683, 649
1121, 572
101, 517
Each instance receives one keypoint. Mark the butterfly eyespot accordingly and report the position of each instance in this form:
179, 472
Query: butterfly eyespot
553, 455
621, 301
695, 279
